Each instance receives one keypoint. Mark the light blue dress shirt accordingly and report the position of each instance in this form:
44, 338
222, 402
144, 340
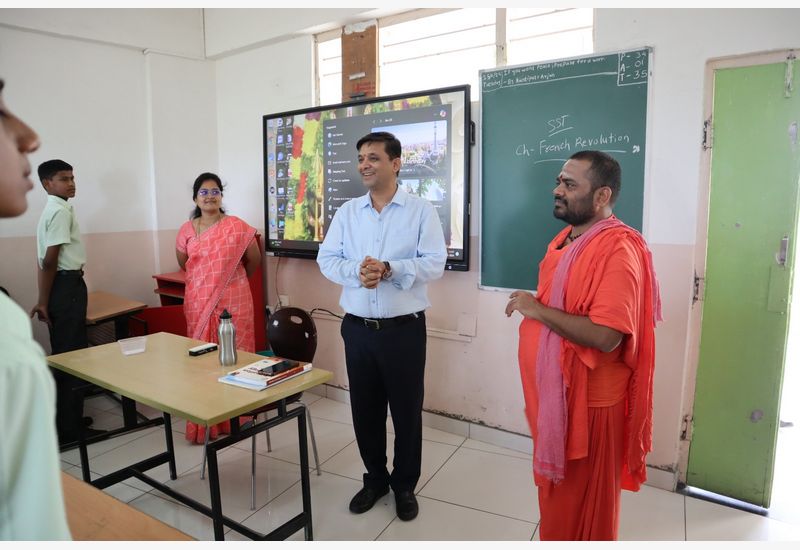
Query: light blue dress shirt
407, 233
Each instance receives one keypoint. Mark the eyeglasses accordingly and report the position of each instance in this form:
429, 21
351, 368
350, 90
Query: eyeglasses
213, 192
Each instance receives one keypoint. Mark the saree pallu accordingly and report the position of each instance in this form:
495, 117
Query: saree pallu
215, 281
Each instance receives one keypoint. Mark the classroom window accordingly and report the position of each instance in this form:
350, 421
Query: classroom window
450, 47
329, 70
445, 49
541, 34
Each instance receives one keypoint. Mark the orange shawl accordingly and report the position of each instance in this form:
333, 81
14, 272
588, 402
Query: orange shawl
612, 281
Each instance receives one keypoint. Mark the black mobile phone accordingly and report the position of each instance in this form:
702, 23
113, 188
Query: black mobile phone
286, 364
278, 368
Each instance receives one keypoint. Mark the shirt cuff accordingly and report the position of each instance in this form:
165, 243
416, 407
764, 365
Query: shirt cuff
403, 274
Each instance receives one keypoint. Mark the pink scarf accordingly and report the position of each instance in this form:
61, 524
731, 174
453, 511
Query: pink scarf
549, 459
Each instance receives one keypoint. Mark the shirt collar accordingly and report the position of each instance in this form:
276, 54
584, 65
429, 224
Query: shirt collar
58, 200
399, 198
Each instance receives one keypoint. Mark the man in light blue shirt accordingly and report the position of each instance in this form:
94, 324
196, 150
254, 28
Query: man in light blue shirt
383, 248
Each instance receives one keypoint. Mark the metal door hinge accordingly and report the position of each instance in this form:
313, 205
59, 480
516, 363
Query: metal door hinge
708, 134
783, 250
686, 428
699, 288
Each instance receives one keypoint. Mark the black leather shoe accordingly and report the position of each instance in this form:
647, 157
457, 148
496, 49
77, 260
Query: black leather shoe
366, 499
407, 507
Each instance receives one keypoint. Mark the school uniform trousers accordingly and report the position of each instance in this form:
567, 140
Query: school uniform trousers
67, 311
386, 366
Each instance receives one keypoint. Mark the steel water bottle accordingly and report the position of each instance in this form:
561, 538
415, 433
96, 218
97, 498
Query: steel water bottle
226, 334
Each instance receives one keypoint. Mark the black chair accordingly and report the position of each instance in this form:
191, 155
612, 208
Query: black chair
291, 334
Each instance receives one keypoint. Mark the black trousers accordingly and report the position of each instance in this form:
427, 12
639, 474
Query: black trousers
67, 311
387, 366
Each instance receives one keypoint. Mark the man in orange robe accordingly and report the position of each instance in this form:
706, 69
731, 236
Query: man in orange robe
586, 355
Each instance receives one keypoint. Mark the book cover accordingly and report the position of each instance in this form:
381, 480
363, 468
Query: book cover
252, 376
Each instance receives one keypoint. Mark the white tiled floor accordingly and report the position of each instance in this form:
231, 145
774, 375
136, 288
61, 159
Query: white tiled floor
469, 490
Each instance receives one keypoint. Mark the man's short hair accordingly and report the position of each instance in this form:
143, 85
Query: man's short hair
49, 168
390, 143
603, 172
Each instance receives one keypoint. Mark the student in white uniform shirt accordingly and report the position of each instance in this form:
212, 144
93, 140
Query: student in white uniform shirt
31, 498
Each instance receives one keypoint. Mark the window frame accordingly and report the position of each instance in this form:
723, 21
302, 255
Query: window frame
501, 37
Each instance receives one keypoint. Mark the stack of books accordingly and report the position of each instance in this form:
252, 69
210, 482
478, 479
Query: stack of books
260, 375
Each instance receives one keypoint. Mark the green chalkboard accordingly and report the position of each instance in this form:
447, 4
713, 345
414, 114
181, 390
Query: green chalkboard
533, 117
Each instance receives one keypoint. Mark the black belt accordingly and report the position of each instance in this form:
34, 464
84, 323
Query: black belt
378, 324
70, 272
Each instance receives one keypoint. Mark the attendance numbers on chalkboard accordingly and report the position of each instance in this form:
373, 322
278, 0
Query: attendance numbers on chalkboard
632, 68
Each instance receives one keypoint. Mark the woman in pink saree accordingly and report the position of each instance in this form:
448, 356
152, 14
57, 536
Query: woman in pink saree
218, 253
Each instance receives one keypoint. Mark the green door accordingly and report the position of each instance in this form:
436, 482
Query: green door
755, 166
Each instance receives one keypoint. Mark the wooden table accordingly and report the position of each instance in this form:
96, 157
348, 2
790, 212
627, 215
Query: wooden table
103, 307
170, 287
94, 515
167, 378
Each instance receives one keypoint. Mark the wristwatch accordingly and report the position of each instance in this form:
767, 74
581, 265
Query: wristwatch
388, 272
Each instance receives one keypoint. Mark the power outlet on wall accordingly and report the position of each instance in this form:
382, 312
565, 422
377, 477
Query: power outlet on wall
284, 299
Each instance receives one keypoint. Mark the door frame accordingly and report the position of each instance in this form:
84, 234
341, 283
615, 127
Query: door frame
695, 324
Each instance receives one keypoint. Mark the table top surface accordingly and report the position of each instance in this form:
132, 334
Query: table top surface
94, 515
105, 305
172, 276
167, 378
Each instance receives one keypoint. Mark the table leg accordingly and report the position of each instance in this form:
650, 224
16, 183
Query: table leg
305, 478
170, 446
129, 413
216, 497
79, 393
87, 475
121, 329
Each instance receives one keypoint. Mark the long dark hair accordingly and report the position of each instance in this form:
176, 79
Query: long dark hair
202, 178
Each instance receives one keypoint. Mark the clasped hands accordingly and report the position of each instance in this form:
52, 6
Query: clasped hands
370, 272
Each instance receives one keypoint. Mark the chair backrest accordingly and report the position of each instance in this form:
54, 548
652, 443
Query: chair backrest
292, 334
159, 319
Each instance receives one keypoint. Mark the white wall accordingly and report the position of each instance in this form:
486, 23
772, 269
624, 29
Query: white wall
184, 129
87, 102
175, 31
229, 30
249, 85
137, 126
683, 41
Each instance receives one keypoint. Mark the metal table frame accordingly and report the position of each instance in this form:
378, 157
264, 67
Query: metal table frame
301, 521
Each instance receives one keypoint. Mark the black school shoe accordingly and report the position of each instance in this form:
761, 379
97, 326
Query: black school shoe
366, 499
407, 507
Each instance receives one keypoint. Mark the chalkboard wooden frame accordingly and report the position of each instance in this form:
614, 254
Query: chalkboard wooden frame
533, 117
